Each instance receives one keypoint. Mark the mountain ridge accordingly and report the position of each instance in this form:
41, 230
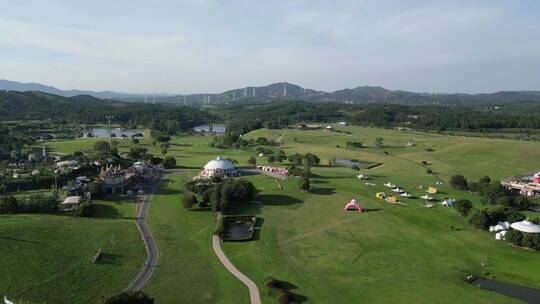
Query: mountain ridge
286, 90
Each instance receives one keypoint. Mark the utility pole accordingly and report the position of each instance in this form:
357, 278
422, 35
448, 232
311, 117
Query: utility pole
109, 117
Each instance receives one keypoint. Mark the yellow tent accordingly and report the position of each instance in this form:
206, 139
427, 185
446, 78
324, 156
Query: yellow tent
391, 199
380, 195
432, 190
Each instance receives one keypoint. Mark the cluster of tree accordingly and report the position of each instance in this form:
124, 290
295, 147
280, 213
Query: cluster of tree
127, 297
354, 145
491, 215
263, 141
167, 118
469, 117
33, 203
492, 192
220, 196
224, 195
527, 240
244, 117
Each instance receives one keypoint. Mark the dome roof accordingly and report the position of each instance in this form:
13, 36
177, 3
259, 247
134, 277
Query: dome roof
219, 163
526, 226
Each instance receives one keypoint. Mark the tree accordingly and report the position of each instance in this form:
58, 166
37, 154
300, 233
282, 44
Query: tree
480, 219
135, 141
296, 158
262, 141
102, 147
458, 182
252, 161
379, 142
484, 180
312, 159
169, 162
271, 158
304, 184
128, 297
95, 189
355, 168
463, 207
281, 156
189, 201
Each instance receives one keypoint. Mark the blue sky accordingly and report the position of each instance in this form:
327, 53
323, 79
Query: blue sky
211, 45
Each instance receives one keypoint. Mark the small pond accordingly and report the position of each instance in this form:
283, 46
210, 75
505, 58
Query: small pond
347, 162
219, 129
104, 132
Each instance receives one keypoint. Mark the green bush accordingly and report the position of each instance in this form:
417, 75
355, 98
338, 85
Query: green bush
463, 207
128, 297
459, 182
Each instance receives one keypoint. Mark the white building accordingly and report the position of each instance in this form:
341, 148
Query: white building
219, 167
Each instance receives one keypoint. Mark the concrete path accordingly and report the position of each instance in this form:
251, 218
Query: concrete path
151, 247
254, 295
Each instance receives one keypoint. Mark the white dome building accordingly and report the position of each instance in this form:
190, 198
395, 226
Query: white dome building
219, 167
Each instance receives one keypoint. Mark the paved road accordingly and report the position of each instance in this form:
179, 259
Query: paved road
151, 248
254, 295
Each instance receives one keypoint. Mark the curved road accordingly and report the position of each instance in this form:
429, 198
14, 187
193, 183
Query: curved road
151, 248
254, 295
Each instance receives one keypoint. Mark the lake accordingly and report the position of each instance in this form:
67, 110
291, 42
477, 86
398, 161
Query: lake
104, 132
218, 128
347, 162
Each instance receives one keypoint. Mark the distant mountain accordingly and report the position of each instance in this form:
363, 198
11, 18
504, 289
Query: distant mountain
7, 85
285, 90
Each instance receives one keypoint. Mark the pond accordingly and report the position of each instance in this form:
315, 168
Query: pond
347, 162
219, 129
104, 132
525, 294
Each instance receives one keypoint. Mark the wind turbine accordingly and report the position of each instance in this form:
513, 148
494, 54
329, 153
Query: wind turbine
284, 89
233, 96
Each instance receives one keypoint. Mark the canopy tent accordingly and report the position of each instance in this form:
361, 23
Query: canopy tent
526, 226
500, 226
380, 195
362, 177
426, 197
353, 205
389, 185
432, 190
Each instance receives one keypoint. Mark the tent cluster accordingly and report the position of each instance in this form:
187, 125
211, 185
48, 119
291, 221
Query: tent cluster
449, 202
353, 205
502, 228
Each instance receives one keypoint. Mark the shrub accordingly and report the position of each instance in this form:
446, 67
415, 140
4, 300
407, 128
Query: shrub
84, 210
484, 180
459, 182
252, 161
304, 184
463, 207
169, 162
128, 297
189, 201
312, 159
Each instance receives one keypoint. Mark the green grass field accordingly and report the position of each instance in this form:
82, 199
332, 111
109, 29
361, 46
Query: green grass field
48, 258
404, 254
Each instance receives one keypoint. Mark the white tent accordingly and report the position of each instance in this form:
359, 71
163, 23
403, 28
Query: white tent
526, 226
362, 176
448, 202
500, 235
426, 197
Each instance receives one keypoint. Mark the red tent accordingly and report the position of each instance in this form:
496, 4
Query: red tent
353, 205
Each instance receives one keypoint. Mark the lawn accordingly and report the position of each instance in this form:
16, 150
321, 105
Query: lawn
48, 258
188, 270
405, 254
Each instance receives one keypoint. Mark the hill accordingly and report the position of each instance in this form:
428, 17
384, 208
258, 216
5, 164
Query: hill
285, 90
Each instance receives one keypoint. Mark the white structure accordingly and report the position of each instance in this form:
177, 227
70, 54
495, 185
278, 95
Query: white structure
500, 236
362, 177
426, 197
6, 301
448, 202
389, 185
219, 167
139, 166
526, 226
499, 227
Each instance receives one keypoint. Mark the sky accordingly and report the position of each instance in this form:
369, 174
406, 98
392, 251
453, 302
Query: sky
208, 46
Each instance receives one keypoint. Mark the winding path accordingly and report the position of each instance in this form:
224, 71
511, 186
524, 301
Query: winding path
254, 295
151, 247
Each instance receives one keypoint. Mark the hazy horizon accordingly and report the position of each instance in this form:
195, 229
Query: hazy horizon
211, 46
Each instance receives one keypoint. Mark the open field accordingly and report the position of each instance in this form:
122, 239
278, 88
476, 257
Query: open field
390, 254
48, 258
188, 270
